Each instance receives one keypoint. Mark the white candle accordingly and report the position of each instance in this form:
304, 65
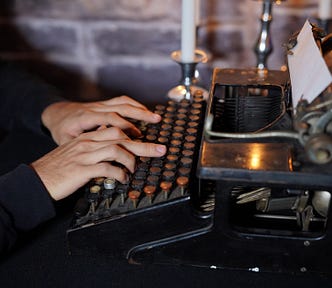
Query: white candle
198, 15
324, 9
188, 33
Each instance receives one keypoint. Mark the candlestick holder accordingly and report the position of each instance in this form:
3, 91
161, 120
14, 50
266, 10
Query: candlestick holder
264, 46
189, 83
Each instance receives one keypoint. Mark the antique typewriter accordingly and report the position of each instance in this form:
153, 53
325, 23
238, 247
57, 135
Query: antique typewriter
246, 183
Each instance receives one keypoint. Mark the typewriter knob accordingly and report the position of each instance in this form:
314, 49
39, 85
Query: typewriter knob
319, 149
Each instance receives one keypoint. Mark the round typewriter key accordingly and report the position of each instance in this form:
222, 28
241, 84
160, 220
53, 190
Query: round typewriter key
157, 162
99, 180
165, 188
137, 184
172, 158
166, 126
198, 95
195, 111
190, 138
194, 117
151, 137
176, 143
181, 116
184, 104
152, 131
168, 120
197, 105
159, 112
164, 133
178, 129
182, 182
133, 195
152, 179
187, 153
95, 189
142, 167
189, 145
170, 166
155, 170
149, 191
184, 171
160, 107
180, 122
109, 183
174, 150
192, 124
192, 131
168, 175
140, 175
171, 109
177, 135
169, 115
144, 159
186, 161
171, 103
163, 140
182, 111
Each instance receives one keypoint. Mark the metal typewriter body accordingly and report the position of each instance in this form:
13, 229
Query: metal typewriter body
254, 200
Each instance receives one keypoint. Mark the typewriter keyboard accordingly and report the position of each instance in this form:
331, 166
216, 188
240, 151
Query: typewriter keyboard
155, 180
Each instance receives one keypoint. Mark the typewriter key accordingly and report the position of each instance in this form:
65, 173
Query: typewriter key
133, 196
166, 187
182, 182
149, 191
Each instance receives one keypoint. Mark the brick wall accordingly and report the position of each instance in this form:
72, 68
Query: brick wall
93, 49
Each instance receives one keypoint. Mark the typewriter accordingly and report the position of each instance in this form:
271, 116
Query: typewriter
246, 183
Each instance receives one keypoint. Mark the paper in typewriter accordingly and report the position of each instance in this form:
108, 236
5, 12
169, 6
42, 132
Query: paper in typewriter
308, 71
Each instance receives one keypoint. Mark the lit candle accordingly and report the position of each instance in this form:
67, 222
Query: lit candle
188, 33
324, 9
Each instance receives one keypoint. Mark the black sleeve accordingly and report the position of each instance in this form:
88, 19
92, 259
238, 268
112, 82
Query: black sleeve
24, 204
23, 99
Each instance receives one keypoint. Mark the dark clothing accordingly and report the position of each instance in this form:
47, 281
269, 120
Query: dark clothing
24, 201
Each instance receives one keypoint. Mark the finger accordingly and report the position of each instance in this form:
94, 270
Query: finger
143, 148
102, 119
124, 100
110, 152
108, 134
105, 169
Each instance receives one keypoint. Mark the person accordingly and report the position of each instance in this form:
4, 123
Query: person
90, 136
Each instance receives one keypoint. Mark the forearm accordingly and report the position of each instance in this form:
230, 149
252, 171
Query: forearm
24, 204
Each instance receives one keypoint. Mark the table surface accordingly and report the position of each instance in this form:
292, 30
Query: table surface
42, 260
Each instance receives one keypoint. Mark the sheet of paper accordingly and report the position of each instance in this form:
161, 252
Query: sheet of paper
308, 71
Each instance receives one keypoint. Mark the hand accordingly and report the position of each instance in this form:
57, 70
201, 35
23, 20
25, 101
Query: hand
67, 120
70, 166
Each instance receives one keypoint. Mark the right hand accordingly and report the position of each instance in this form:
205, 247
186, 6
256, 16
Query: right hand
73, 164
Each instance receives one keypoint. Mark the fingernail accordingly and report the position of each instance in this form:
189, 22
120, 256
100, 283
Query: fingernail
156, 117
161, 149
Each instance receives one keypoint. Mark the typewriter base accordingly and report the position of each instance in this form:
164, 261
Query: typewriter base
227, 247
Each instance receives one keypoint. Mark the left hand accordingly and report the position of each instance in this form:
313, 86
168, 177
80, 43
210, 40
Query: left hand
67, 120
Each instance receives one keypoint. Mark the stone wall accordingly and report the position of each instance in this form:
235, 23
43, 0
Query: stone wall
93, 49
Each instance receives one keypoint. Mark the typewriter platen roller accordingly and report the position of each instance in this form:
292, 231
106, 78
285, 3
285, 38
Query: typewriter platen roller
254, 201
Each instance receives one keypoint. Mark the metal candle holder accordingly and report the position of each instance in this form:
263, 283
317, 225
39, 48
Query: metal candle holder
189, 83
264, 47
